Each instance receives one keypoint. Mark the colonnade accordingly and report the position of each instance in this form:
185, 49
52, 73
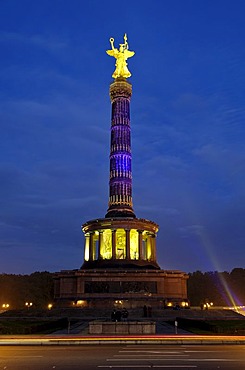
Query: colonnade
129, 244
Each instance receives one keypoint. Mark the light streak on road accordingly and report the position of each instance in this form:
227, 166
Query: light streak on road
141, 339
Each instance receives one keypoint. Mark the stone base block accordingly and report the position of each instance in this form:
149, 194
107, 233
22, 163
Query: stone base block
126, 328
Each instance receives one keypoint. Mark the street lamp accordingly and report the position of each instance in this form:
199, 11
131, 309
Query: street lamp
5, 305
28, 304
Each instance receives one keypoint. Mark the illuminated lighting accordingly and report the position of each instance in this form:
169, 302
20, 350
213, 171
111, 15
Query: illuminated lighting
121, 55
184, 339
50, 306
238, 309
106, 248
134, 254
228, 292
81, 303
120, 235
5, 305
120, 244
210, 253
184, 304
28, 304
86, 250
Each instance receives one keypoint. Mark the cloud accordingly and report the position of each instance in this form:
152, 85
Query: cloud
191, 229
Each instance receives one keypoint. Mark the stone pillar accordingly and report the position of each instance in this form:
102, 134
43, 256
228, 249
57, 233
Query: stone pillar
127, 244
86, 247
153, 247
100, 244
148, 248
113, 240
91, 246
140, 244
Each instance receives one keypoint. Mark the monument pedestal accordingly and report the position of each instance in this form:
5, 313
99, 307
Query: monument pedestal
121, 288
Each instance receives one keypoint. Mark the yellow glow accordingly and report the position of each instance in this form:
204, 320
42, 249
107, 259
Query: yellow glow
120, 244
101, 242
5, 305
148, 248
106, 247
86, 250
134, 250
169, 304
81, 303
144, 339
184, 304
121, 55
50, 306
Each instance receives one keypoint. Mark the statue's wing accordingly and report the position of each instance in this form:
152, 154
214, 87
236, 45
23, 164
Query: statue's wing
129, 53
110, 52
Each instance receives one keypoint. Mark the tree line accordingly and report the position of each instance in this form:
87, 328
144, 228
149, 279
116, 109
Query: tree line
221, 288
18, 290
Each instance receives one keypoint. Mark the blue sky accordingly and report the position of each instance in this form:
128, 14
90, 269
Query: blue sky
187, 120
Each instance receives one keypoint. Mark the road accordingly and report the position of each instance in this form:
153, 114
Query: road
124, 356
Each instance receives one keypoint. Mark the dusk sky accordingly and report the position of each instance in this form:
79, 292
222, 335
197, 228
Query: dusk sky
187, 126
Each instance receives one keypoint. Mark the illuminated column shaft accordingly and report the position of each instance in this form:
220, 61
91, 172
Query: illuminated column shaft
120, 185
140, 247
100, 245
113, 240
86, 247
91, 246
148, 248
127, 244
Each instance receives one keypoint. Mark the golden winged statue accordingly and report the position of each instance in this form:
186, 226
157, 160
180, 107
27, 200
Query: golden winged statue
121, 55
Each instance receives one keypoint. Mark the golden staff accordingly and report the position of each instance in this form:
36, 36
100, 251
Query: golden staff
112, 42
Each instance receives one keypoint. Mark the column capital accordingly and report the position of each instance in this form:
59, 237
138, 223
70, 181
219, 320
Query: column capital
120, 88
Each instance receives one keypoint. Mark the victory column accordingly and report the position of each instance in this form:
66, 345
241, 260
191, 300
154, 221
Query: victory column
120, 261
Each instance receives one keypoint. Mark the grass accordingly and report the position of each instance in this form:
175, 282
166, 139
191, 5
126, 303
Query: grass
26, 326
213, 327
